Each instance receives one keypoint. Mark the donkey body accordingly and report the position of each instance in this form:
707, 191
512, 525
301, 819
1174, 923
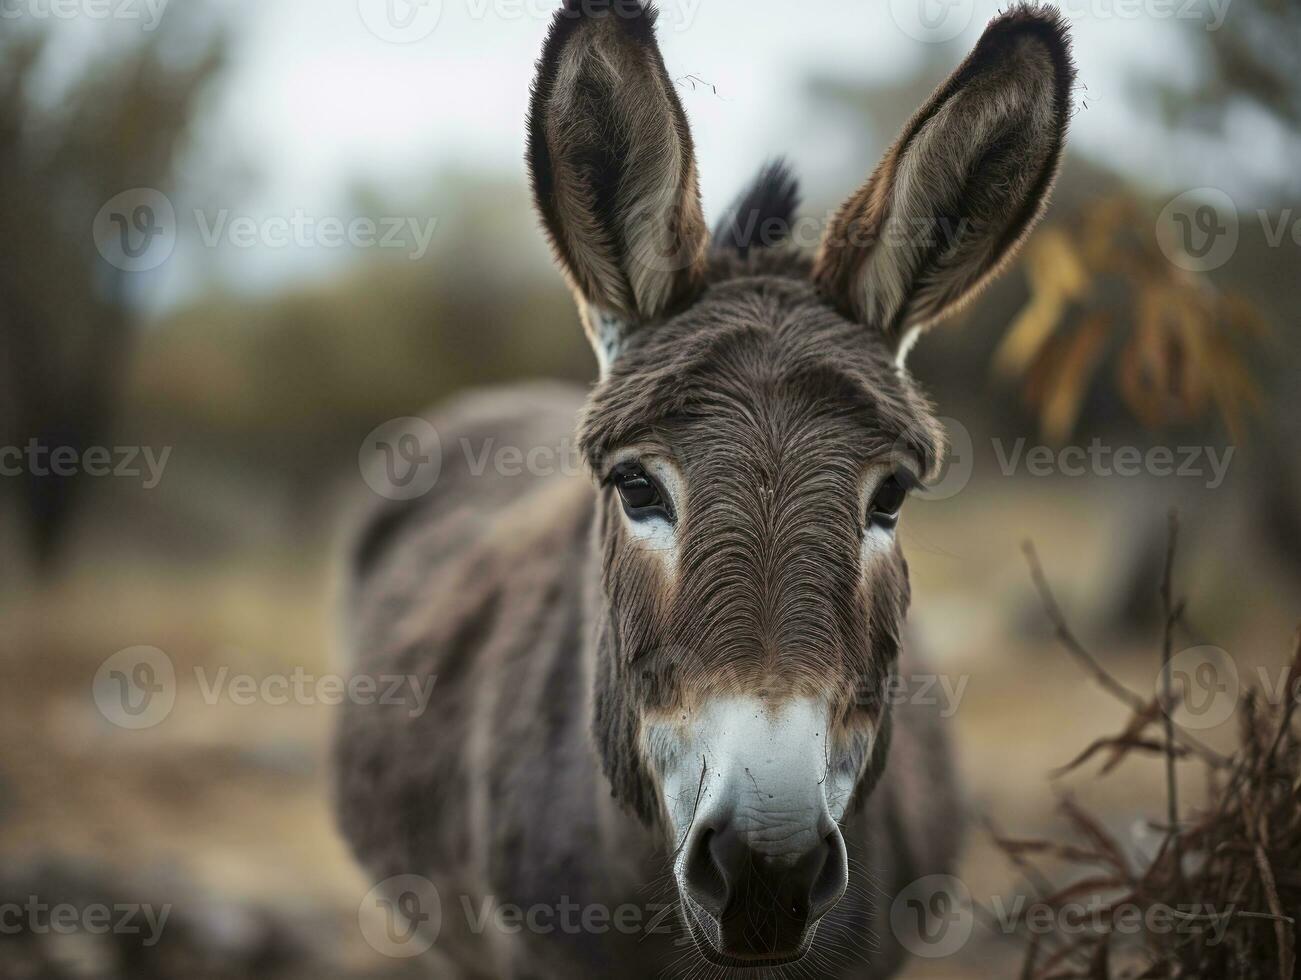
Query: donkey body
661, 730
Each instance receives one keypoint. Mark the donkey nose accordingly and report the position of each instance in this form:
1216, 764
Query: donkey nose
763, 904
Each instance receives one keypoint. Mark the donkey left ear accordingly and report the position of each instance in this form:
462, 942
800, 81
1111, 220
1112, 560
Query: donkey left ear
614, 170
961, 187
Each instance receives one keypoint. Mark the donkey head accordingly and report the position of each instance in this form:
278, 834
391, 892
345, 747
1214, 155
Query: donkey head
755, 435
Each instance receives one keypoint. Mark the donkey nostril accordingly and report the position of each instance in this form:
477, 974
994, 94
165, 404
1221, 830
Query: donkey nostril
706, 882
831, 879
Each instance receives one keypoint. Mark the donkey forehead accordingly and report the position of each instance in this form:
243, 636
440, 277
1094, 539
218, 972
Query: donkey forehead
762, 361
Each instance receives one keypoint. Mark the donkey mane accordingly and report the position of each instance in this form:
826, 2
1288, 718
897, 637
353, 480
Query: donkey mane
761, 215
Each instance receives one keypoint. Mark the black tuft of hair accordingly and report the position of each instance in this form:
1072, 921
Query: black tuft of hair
762, 215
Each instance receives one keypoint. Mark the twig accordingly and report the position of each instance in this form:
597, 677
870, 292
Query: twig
1285, 723
1167, 645
1091, 664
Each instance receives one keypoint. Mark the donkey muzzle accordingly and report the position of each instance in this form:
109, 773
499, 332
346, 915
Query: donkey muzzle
762, 858
757, 907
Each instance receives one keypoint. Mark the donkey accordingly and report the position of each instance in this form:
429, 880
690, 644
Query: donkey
661, 717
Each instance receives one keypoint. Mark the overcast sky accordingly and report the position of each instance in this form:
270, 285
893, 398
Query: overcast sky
323, 93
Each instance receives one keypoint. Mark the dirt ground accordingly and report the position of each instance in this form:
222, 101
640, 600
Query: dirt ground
226, 805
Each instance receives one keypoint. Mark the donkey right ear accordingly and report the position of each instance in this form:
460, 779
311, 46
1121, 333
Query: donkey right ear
614, 170
962, 186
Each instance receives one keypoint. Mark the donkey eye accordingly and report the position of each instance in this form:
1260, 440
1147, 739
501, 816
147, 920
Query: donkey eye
883, 511
641, 495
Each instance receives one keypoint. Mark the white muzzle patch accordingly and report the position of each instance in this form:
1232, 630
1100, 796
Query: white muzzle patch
768, 766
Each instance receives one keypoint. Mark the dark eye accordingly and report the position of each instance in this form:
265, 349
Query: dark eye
883, 511
641, 495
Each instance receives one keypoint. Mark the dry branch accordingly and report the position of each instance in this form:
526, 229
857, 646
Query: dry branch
1228, 878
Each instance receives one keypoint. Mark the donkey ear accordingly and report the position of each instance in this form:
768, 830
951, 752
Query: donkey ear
962, 185
614, 170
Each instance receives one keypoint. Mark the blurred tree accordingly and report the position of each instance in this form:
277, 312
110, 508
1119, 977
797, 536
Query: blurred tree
1252, 60
1106, 333
1251, 57
1178, 340
65, 312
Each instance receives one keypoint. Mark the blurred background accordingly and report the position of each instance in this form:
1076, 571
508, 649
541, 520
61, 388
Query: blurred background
235, 238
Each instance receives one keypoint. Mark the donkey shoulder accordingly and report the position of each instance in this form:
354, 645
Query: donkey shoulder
450, 590
493, 446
